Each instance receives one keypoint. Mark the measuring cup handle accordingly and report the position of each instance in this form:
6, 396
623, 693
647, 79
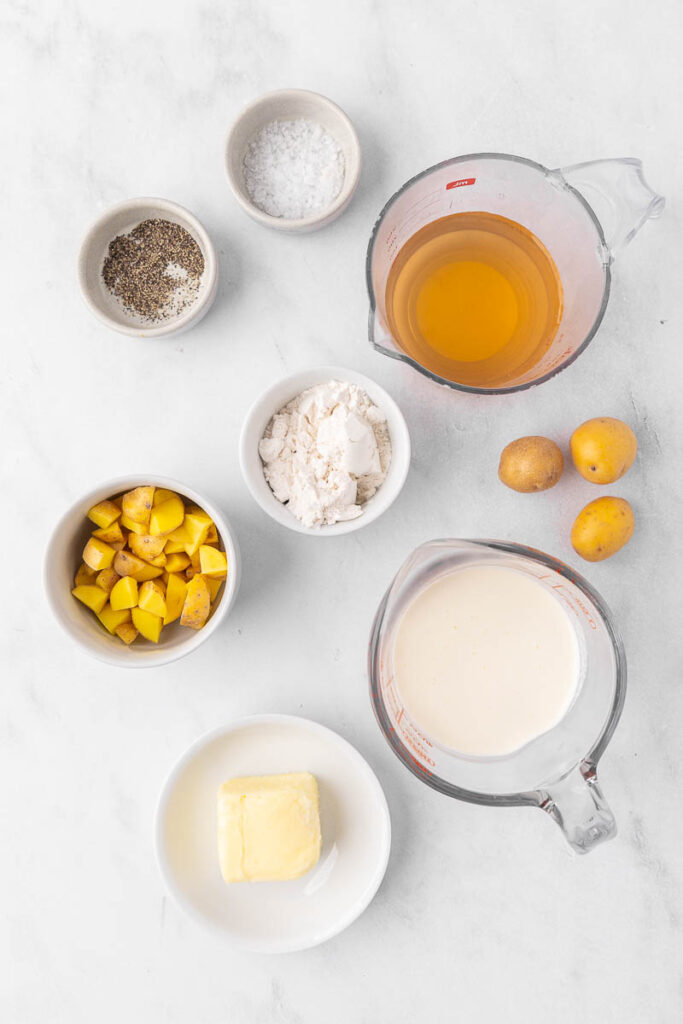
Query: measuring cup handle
577, 805
618, 194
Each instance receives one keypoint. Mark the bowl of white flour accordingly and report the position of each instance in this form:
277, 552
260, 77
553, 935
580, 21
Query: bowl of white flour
325, 451
293, 160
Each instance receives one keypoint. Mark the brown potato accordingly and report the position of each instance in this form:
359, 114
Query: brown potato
530, 464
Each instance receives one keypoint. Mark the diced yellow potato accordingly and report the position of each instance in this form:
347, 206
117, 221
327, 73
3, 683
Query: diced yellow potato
110, 618
124, 594
196, 528
138, 528
176, 590
195, 510
177, 562
167, 516
148, 624
174, 547
145, 546
126, 632
190, 573
104, 513
137, 504
159, 561
212, 562
97, 554
107, 579
152, 598
127, 564
91, 595
197, 603
110, 534
195, 561
84, 574
161, 495
177, 536
212, 535
214, 586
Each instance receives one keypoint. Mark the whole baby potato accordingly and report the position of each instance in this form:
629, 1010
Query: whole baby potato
603, 449
602, 528
531, 464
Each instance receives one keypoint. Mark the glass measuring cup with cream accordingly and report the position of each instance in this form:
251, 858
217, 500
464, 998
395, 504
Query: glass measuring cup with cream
498, 677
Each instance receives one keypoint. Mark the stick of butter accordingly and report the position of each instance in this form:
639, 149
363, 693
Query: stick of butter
268, 827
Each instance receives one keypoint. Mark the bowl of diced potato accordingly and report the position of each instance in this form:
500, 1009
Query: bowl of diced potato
141, 571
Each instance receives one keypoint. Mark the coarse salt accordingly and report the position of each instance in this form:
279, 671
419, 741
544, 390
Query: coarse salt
293, 169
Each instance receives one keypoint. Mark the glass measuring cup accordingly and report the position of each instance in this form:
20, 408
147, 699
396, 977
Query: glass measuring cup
583, 215
555, 771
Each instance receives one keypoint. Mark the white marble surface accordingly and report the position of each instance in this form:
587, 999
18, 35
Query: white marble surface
484, 914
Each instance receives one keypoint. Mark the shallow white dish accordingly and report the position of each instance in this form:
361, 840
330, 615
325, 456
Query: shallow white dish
273, 399
274, 917
63, 556
119, 220
288, 105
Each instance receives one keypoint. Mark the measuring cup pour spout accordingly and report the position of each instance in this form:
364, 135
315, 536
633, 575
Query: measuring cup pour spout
577, 805
618, 194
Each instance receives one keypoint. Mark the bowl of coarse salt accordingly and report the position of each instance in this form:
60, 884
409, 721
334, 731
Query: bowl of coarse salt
325, 451
293, 160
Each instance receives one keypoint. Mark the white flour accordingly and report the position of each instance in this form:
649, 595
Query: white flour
326, 453
293, 169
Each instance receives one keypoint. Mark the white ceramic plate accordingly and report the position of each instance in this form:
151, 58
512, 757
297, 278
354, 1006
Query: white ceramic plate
274, 917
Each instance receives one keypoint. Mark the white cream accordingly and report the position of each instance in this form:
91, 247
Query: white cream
326, 453
485, 660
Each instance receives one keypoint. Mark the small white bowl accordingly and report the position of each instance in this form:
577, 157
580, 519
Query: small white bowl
63, 557
119, 220
273, 399
288, 105
274, 917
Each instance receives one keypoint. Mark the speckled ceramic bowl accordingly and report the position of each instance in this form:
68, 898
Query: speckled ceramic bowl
288, 105
121, 219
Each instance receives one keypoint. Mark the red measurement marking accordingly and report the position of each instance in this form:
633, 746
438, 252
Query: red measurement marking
460, 182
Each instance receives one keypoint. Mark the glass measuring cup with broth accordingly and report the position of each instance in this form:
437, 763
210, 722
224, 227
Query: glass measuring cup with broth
498, 677
490, 273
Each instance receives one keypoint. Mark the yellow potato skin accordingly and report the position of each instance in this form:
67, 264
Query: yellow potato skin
603, 449
137, 504
530, 464
197, 603
602, 528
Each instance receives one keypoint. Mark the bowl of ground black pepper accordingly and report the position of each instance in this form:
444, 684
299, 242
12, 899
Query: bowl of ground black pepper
148, 268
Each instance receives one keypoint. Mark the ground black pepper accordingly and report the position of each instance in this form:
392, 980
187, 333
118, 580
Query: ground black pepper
155, 269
